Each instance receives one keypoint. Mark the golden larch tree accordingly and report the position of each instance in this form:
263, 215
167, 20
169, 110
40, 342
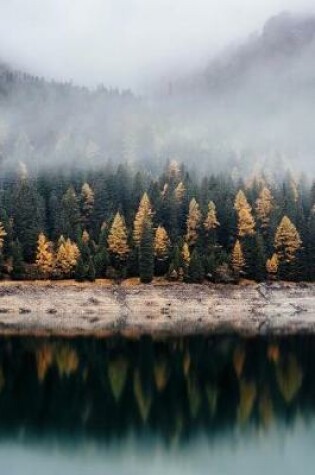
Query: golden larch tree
67, 256
193, 222
144, 212
45, 259
287, 240
211, 222
238, 259
179, 192
186, 254
246, 223
118, 238
272, 265
264, 207
161, 244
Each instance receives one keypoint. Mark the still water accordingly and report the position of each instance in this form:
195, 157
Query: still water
218, 405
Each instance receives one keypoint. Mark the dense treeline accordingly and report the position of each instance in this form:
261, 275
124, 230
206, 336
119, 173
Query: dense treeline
118, 223
174, 389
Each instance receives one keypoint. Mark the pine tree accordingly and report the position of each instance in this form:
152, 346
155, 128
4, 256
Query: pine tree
18, 269
246, 223
101, 258
80, 270
118, 238
28, 212
264, 207
287, 240
70, 215
196, 269
193, 222
238, 260
144, 213
146, 253
45, 259
90, 274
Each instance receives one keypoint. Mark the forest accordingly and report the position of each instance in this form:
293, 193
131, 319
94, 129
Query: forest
119, 222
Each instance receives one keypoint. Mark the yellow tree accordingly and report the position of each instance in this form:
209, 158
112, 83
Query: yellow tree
144, 212
180, 192
246, 223
118, 238
45, 259
272, 265
2, 235
287, 240
161, 244
193, 222
186, 254
264, 206
211, 222
238, 260
67, 256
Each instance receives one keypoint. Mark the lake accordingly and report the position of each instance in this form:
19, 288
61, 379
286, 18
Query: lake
215, 405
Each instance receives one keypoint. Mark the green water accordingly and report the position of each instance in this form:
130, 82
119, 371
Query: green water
217, 405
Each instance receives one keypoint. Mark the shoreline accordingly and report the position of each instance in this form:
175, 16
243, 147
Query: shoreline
101, 309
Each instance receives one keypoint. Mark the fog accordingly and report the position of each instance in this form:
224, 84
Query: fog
126, 43
216, 87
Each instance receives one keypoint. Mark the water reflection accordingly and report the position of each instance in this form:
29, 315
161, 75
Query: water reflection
171, 391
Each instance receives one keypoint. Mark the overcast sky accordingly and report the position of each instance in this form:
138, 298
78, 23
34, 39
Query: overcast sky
125, 43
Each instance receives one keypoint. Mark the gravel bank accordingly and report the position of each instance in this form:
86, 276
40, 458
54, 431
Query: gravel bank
102, 310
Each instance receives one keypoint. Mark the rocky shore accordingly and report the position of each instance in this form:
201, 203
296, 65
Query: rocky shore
100, 309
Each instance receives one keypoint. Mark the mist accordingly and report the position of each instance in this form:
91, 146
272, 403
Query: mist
126, 43
216, 88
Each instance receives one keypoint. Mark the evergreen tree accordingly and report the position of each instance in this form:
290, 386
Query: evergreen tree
70, 215
18, 269
90, 274
80, 270
28, 212
196, 269
146, 254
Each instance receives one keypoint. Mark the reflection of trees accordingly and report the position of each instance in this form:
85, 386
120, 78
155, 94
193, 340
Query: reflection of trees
239, 360
44, 359
289, 377
266, 410
142, 397
248, 394
171, 388
66, 359
161, 374
117, 374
